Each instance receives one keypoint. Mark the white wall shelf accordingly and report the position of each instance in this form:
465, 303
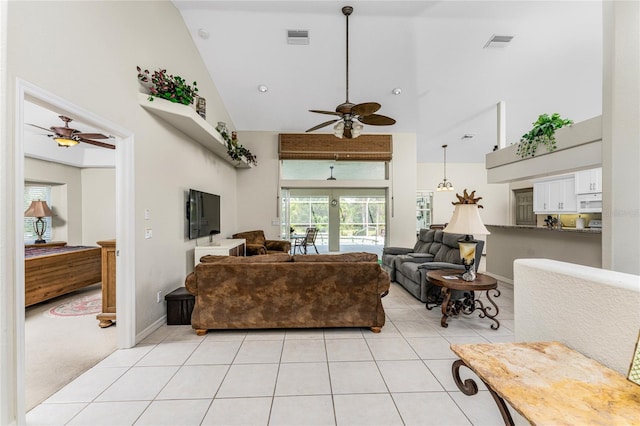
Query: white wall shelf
187, 120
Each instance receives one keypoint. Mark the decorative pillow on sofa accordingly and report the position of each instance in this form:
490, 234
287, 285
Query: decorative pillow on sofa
342, 257
266, 258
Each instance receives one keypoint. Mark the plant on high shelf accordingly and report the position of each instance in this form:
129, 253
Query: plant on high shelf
166, 86
543, 132
234, 149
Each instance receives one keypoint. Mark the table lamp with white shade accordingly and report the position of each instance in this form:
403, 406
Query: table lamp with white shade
466, 220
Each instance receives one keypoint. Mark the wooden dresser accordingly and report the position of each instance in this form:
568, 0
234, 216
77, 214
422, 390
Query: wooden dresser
108, 315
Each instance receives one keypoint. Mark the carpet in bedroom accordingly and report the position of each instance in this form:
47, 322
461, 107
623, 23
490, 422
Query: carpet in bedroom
63, 340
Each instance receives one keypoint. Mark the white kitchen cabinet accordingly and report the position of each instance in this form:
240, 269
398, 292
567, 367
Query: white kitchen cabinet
589, 181
555, 196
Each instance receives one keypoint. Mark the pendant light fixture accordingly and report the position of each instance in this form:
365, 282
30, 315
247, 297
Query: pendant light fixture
331, 177
445, 185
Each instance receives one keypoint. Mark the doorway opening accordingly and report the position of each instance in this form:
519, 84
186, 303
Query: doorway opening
125, 221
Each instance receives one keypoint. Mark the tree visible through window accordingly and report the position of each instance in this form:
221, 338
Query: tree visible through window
34, 193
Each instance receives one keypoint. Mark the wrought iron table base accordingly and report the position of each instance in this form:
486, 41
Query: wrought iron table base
469, 387
467, 306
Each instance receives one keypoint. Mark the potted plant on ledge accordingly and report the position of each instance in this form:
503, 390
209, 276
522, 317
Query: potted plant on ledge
234, 149
543, 132
170, 87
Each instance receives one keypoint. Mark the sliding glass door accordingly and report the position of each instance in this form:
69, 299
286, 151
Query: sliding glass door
348, 219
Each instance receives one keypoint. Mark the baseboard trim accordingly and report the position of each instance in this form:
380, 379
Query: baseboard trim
153, 327
504, 280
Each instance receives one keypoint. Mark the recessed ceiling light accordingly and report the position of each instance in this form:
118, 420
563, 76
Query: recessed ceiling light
203, 34
396, 91
263, 89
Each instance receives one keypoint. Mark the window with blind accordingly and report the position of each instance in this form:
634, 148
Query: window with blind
34, 193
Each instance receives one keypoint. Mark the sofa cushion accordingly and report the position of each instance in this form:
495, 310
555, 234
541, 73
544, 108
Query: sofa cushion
424, 256
267, 258
342, 257
440, 265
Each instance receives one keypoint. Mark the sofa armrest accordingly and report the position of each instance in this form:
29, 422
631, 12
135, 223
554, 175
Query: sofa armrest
408, 258
278, 245
255, 249
191, 283
397, 250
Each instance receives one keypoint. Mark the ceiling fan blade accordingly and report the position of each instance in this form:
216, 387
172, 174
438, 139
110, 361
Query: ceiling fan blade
367, 108
326, 123
96, 143
377, 120
347, 133
38, 127
325, 112
91, 135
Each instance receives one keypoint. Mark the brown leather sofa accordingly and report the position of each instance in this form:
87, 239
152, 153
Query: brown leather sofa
283, 291
258, 244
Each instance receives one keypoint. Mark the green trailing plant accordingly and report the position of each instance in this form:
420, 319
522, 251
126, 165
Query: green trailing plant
234, 149
167, 86
543, 132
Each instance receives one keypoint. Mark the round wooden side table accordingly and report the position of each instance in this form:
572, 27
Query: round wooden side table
449, 279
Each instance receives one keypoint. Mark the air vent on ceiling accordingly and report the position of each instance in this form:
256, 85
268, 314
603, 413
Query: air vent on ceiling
498, 41
297, 36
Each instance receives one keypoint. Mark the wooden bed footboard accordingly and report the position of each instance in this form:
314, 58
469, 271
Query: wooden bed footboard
53, 275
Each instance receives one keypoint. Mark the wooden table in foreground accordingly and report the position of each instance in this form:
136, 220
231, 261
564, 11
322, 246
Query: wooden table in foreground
549, 384
449, 279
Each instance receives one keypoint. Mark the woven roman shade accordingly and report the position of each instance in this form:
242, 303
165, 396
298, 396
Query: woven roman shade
305, 146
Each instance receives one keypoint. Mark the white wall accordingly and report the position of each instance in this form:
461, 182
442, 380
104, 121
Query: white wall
621, 137
469, 176
591, 310
258, 187
92, 64
98, 205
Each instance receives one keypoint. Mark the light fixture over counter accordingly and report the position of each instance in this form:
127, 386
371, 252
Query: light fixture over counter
445, 185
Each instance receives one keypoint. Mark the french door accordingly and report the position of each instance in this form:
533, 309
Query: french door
348, 219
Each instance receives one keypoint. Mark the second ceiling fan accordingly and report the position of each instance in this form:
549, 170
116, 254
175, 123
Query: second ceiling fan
352, 116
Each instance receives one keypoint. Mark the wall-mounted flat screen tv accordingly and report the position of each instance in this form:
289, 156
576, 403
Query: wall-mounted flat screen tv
203, 214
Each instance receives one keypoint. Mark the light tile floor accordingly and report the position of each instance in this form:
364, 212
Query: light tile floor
289, 377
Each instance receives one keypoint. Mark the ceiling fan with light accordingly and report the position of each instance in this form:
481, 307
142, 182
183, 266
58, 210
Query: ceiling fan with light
66, 136
352, 116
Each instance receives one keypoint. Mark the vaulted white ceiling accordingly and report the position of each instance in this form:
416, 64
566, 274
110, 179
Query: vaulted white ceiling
432, 50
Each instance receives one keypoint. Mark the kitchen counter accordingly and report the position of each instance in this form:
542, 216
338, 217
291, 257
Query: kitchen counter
507, 243
543, 228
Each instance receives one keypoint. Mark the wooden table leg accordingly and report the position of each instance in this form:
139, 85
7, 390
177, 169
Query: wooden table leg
469, 387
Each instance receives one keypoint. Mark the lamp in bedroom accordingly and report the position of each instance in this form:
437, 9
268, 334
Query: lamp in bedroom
39, 209
466, 220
